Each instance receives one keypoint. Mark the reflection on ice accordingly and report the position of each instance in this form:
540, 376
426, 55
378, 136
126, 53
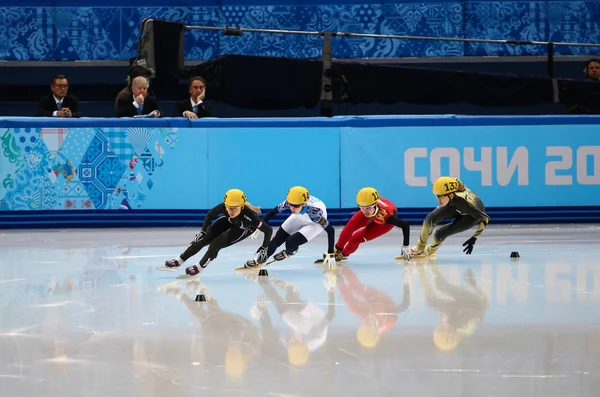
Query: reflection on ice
101, 319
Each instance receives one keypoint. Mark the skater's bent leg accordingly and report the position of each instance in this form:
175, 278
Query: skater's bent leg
211, 254
232, 236
294, 242
218, 227
368, 233
375, 230
461, 223
355, 223
190, 251
431, 220
355, 240
280, 237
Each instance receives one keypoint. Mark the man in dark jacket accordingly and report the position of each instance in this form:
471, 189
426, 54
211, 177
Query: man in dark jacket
59, 103
194, 106
138, 103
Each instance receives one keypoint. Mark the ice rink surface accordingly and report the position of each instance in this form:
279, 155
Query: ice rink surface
86, 313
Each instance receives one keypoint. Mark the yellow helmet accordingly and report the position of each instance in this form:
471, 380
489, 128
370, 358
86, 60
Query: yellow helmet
367, 335
367, 196
234, 198
298, 195
446, 185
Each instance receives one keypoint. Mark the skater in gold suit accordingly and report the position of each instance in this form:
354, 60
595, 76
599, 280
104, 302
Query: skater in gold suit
458, 202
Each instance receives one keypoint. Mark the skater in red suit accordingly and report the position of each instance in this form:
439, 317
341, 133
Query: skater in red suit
376, 217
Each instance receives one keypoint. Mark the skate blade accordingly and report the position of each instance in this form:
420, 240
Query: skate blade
255, 267
401, 258
320, 261
243, 268
167, 269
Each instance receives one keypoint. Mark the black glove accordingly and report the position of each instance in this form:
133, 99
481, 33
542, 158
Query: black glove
262, 255
469, 245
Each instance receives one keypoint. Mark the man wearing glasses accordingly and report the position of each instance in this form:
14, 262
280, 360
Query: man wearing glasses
59, 103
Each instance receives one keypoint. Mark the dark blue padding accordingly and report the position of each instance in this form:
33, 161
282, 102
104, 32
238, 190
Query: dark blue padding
84, 122
266, 122
304, 122
460, 120
338, 217
526, 120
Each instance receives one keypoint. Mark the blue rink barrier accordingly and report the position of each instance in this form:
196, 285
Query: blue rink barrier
169, 172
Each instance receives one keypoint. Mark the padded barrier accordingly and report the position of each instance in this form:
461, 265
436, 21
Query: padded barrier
168, 172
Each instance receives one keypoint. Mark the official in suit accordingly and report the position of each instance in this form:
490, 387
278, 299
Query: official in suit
59, 103
194, 106
133, 72
138, 103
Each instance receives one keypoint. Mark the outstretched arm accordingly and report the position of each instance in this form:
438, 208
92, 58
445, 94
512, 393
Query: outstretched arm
280, 208
316, 215
267, 231
402, 224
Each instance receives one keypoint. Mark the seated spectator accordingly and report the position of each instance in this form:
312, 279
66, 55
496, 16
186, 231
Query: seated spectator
59, 104
194, 106
133, 72
592, 69
138, 103
585, 99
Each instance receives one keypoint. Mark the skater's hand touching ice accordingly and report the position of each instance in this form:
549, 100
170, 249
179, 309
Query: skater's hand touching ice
469, 245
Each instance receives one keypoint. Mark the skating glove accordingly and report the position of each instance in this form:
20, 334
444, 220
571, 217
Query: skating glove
262, 255
199, 236
406, 252
329, 260
469, 245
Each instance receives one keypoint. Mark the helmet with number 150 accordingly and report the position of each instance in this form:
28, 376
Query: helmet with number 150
234, 198
298, 195
446, 185
367, 196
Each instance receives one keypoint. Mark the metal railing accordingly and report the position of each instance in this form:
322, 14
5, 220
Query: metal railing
326, 93
237, 31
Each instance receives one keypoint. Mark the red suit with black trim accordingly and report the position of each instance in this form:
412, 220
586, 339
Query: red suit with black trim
360, 228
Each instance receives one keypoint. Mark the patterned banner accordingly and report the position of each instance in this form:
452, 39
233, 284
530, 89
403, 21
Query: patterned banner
80, 168
111, 33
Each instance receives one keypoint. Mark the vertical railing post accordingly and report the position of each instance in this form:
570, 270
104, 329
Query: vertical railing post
550, 65
326, 85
